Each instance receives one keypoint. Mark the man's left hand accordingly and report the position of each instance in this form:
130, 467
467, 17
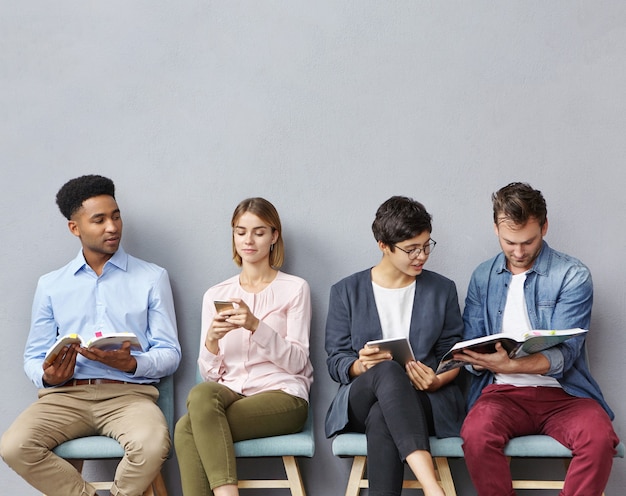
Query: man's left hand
118, 359
498, 362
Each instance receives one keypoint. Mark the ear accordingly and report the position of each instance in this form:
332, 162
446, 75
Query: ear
274, 236
73, 227
544, 229
382, 246
495, 228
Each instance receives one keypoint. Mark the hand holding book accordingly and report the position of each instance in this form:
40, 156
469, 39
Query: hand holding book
530, 342
102, 341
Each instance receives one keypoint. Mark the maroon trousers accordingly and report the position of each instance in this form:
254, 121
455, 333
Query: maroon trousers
503, 412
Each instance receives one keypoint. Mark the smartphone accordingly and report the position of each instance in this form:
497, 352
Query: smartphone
221, 305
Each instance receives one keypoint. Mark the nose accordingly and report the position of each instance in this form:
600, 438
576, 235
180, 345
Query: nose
518, 251
112, 226
422, 255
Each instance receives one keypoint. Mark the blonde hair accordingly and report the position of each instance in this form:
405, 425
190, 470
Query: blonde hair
265, 211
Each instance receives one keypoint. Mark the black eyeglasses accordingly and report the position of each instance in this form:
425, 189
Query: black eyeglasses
415, 252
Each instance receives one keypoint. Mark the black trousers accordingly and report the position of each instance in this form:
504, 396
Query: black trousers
396, 419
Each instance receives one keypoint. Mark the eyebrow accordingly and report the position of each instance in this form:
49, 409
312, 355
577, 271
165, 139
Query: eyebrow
419, 244
252, 228
102, 214
529, 240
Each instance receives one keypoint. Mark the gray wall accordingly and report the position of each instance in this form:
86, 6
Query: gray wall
327, 109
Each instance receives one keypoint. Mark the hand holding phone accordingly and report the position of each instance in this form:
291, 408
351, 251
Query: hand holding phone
223, 305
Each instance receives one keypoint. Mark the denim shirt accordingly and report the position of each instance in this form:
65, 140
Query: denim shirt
559, 293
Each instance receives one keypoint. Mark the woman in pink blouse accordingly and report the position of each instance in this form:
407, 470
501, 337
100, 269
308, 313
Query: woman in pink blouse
254, 357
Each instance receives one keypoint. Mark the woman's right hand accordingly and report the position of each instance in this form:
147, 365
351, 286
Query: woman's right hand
369, 356
219, 328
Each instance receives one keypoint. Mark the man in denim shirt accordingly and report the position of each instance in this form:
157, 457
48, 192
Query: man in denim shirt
531, 286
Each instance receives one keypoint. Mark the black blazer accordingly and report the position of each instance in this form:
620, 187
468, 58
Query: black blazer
436, 325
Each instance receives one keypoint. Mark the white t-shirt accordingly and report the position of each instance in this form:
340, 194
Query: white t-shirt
515, 321
395, 308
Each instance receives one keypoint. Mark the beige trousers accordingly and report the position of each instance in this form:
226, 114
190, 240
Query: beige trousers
125, 412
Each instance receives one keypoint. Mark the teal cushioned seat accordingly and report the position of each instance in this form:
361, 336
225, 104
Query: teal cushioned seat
354, 444
536, 446
102, 447
299, 444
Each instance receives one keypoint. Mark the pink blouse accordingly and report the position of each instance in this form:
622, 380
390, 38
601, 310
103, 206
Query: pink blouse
276, 355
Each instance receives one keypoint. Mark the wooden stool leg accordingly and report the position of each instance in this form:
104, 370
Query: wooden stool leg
355, 481
293, 475
445, 475
156, 487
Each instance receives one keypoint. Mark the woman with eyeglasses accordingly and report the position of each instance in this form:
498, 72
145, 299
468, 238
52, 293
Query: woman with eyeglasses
253, 359
398, 406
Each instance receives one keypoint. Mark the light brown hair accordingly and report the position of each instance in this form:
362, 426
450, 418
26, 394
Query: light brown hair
265, 211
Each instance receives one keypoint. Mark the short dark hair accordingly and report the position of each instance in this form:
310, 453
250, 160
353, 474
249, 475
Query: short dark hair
74, 192
518, 203
400, 218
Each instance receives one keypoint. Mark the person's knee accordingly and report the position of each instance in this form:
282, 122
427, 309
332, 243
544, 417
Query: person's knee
150, 447
205, 400
9, 450
389, 374
202, 393
598, 440
16, 450
390, 367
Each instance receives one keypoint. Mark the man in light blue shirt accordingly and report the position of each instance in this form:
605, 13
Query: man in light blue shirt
91, 391
529, 286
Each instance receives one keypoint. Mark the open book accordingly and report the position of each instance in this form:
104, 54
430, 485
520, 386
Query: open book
400, 348
102, 341
515, 344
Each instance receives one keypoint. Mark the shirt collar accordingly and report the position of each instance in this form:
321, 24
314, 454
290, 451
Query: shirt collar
119, 260
540, 266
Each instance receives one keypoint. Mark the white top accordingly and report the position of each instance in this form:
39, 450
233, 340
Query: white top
515, 321
395, 307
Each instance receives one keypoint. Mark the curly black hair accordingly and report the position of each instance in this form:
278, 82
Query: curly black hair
74, 192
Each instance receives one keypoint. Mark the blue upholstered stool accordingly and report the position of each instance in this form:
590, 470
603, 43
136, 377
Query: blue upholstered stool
354, 445
288, 447
78, 450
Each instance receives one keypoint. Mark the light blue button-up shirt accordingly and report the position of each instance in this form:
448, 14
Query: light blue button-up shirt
559, 295
130, 295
